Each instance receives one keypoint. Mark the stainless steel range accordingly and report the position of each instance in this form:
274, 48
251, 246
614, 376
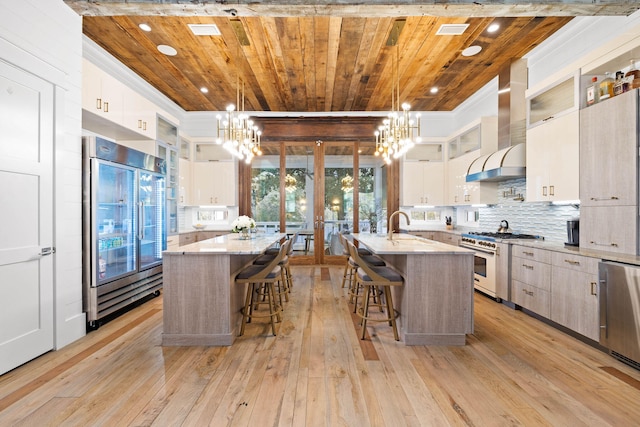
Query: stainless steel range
484, 265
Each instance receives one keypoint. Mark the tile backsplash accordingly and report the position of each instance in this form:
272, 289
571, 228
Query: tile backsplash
544, 219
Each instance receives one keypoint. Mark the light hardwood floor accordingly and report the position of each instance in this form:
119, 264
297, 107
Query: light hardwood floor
514, 370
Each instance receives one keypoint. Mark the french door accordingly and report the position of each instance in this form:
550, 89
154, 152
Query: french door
314, 191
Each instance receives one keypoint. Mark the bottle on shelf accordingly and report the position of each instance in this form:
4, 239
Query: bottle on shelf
631, 78
606, 87
617, 85
102, 268
593, 91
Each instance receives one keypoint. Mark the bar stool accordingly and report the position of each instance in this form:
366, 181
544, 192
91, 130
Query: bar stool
261, 281
284, 264
352, 266
371, 278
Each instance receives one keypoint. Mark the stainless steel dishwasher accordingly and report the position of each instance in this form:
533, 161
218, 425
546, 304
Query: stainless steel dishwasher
620, 311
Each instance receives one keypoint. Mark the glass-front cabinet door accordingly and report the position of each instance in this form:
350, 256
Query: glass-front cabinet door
151, 205
115, 221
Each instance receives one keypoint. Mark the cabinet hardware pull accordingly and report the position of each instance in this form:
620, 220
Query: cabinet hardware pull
544, 190
604, 199
548, 118
139, 124
106, 107
527, 253
552, 190
572, 262
594, 288
530, 293
604, 244
99, 103
144, 125
530, 267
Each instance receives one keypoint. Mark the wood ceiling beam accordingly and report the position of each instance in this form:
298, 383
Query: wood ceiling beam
355, 8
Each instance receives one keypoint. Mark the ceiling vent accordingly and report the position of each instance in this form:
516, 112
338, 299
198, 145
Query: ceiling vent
452, 29
205, 29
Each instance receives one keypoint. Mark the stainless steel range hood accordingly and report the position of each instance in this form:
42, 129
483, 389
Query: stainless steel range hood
510, 160
503, 164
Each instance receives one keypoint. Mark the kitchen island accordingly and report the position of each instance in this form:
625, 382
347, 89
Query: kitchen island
436, 301
201, 302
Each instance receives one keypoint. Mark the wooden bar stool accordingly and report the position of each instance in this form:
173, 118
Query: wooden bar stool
371, 278
287, 278
352, 265
261, 280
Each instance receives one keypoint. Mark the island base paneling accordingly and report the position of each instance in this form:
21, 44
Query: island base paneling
436, 301
195, 286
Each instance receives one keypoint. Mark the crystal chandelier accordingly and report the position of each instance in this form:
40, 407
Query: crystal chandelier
400, 130
237, 132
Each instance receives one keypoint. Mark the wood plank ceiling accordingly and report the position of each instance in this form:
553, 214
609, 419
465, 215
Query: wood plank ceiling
317, 63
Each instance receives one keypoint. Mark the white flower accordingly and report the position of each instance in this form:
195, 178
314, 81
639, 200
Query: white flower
241, 223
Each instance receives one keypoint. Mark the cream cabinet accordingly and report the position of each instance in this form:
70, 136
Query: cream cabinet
108, 98
531, 279
422, 183
184, 183
213, 183
609, 177
461, 192
553, 159
574, 293
102, 94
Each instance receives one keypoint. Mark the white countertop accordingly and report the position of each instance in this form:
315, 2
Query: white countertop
230, 244
406, 244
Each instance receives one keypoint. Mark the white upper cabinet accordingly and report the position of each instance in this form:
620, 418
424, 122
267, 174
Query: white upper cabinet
553, 159
553, 141
109, 101
423, 175
213, 175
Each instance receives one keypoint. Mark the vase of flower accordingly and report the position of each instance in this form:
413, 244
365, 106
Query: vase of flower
243, 225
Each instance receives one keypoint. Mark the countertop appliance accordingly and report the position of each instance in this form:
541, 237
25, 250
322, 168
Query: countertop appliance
484, 265
124, 233
573, 232
619, 299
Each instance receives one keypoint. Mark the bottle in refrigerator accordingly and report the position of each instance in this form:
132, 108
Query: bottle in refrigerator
102, 267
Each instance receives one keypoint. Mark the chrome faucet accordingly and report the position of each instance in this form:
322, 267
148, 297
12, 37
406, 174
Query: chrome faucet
390, 223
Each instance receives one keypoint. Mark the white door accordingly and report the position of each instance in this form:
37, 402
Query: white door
26, 217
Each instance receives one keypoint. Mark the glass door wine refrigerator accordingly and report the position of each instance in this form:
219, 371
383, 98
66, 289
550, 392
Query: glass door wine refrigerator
124, 233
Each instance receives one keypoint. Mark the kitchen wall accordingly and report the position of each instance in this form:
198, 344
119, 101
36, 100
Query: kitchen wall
43, 37
543, 219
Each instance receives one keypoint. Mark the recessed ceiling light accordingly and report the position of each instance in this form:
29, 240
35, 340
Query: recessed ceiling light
471, 50
204, 90
434, 90
145, 27
167, 50
493, 28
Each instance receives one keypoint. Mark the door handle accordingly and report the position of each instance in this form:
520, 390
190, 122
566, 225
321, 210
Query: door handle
47, 251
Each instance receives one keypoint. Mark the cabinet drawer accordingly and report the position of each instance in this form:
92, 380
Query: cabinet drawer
531, 298
577, 263
532, 273
187, 238
540, 255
